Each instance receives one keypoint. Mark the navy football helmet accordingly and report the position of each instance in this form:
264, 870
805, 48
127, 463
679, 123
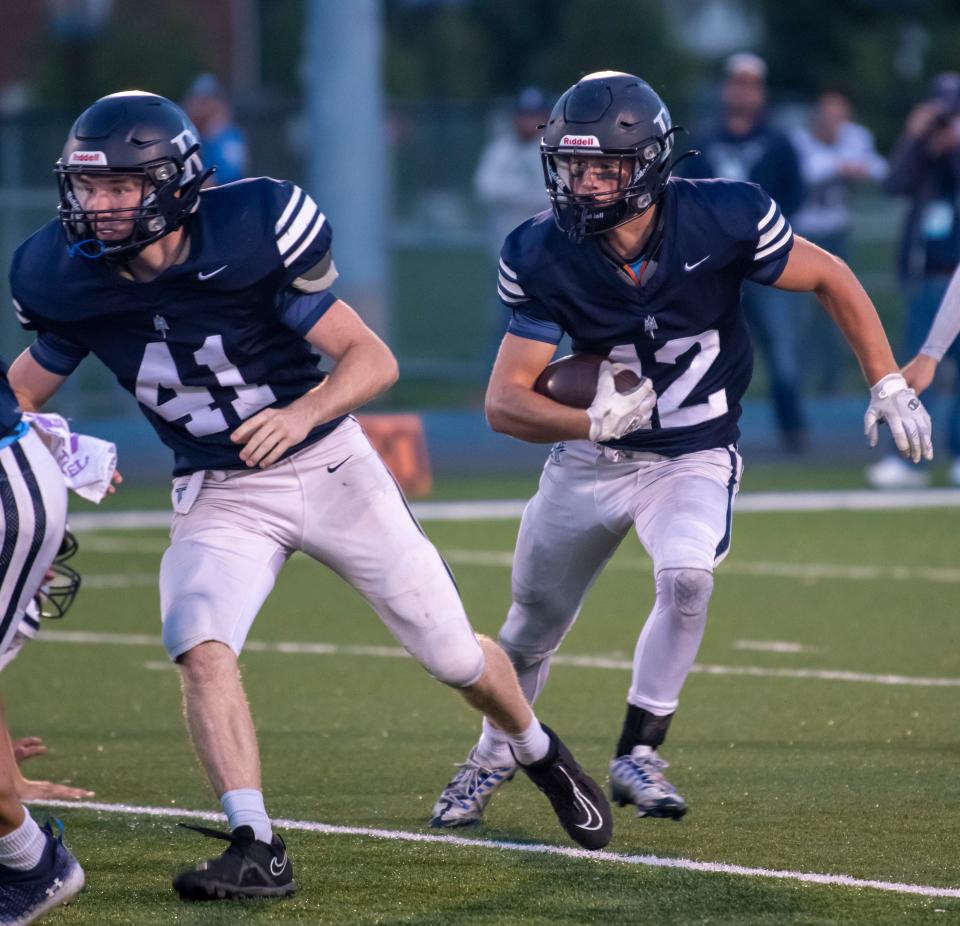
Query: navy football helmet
138, 134
62, 583
620, 119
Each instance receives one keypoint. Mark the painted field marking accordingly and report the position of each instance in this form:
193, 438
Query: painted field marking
580, 662
773, 646
804, 571
502, 559
511, 509
649, 861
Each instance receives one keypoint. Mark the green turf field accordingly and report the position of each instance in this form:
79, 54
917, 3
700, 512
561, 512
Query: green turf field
808, 774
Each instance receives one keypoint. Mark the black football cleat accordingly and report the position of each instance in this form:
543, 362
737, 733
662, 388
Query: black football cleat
580, 805
248, 868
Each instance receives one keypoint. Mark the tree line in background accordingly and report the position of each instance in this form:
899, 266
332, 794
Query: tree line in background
881, 52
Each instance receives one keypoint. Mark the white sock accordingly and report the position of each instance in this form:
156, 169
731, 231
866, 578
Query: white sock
245, 807
531, 745
493, 748
23, 848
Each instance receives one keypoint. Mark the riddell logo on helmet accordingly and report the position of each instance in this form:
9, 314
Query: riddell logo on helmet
579, 141
97, 158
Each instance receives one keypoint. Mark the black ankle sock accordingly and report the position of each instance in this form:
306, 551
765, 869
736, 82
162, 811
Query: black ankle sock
641, 728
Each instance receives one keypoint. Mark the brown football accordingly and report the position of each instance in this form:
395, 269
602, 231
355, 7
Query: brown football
572, 380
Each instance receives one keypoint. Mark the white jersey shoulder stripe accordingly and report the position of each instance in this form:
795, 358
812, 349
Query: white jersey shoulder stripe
312, 233
771, 212
20, 316
510, 300
777, 245
513, 288
302, 220
296, 197
507, 271
774, 232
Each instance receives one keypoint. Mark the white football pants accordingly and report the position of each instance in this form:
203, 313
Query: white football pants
337, 502
589, 498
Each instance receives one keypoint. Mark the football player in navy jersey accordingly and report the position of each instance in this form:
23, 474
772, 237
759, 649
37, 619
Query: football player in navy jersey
37, 872
207, 307
646, 270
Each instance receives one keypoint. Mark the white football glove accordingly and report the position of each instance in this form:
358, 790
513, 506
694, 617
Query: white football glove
893, 401
614, 413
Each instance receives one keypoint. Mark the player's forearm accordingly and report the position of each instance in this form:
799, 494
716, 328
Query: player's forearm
850, 307
522, 413
362, 373
946, 323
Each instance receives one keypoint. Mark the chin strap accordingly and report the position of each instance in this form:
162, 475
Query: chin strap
90, 248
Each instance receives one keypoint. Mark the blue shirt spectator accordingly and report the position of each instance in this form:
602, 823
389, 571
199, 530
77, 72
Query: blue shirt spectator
223, 142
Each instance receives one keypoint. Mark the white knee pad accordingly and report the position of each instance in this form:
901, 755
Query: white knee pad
670, 639
688, 590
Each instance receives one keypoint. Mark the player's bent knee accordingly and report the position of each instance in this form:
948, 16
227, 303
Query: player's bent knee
458, 669
535, 627
524, 656
690, 589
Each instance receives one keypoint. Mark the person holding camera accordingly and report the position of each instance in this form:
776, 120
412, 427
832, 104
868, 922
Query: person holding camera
925, 166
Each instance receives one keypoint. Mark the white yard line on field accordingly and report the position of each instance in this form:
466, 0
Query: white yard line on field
581, 662
804, 571
502, 559
649, 861
119, 580
511, 509
773, 646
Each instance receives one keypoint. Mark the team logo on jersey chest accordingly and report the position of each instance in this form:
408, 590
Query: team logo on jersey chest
161, 326
649, 325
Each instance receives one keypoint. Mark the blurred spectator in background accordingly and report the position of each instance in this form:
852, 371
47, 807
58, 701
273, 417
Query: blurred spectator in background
925, 166
835, 155
746, 146
509, 183
223, 142
941, 341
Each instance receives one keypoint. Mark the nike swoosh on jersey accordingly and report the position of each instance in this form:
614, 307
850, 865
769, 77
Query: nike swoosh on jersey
206, 276
333, 469
689, 267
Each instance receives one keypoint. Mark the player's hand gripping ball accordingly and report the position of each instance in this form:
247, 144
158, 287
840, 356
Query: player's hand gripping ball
572, 380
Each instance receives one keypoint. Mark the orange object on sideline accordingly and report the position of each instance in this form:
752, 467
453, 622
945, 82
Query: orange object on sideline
401, 441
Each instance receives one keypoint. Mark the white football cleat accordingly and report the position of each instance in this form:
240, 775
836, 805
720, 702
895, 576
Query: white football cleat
638, 779
467, 794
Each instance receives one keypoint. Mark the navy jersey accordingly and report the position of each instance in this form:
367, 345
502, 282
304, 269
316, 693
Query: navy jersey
9, 409
211, 341
684, 327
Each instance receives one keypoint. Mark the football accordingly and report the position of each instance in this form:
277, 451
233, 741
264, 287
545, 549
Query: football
572, 380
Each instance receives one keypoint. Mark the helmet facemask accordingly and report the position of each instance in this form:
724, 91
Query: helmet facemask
165, 202
62, 582
636, 175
